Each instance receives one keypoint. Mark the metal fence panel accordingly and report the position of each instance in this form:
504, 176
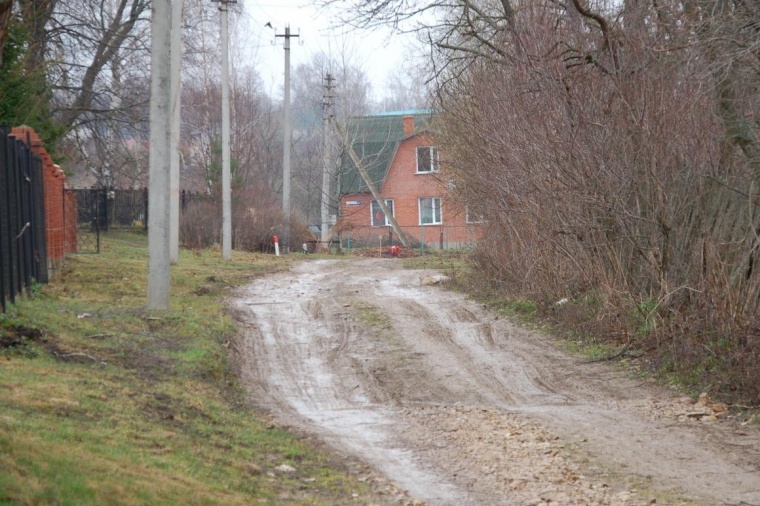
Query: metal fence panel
99, 210
39, 236
23, 252
91, 219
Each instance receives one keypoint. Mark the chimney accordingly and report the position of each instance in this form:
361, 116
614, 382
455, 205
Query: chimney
408, 125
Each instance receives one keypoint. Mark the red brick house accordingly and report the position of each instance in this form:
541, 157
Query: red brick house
401, 156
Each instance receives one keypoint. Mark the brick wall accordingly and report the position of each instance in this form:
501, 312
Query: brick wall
53, 180
405, 186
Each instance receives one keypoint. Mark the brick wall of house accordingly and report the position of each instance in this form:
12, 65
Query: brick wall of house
53, 180
405, 186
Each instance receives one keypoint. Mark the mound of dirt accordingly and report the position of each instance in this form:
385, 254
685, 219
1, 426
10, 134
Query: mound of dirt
15, 336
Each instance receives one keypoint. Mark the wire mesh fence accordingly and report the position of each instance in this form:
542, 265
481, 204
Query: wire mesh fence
422, 237
101, 209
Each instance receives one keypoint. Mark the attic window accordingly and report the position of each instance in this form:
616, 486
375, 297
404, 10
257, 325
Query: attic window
427, 159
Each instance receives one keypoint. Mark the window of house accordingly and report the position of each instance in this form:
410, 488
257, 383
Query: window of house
430, 211
427, 159
379, 219
472, 215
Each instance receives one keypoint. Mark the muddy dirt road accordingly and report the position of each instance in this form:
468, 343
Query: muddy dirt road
456, 406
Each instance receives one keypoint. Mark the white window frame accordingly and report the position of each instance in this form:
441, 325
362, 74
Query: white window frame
470, 217
437, 220
433, 153
388, 203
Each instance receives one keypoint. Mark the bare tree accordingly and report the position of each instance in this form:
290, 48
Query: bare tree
405, 89
612, 147
90, 43
6, 11
351, 95
80, 51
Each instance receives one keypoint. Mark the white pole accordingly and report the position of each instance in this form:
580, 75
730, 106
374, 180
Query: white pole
226, 183
325, 203
176, 79
286, 147
158, 182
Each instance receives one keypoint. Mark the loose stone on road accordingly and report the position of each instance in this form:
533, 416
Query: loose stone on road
451, 405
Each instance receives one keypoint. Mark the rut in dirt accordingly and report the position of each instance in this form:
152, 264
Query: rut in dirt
458, 406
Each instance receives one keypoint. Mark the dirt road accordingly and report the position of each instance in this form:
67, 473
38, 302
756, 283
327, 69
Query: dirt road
456, 406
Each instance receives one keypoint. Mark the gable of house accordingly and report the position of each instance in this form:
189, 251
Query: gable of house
375, 139
411, 186
405, 184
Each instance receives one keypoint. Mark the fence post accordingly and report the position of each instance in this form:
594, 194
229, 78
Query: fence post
10, 216
23, 215
3, 232
39, 219
145, 200
64, 212
97, 221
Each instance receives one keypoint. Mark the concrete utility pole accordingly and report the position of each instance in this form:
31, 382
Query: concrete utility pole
226, 183
287, 137
326, 162
158, 182
176, 91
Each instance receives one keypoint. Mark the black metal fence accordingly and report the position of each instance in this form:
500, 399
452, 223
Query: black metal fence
91, 218
23, 252
104, 208
127, 208
101, 209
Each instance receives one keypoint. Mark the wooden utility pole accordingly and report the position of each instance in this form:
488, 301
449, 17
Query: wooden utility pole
158, 176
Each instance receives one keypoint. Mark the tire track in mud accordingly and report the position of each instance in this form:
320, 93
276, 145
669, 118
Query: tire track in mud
460, 407
498, 377
292, 357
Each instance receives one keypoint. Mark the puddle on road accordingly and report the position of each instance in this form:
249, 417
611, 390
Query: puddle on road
366, 433
293, 354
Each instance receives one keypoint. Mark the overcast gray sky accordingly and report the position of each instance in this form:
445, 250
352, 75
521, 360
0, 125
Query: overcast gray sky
374, 51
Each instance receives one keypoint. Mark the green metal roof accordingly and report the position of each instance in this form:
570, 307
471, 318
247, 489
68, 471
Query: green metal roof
375, 139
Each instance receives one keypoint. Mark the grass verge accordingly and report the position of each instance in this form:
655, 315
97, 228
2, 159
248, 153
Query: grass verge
104, 402
451, 263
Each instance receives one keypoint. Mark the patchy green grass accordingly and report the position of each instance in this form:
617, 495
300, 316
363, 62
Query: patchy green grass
104, 402
370, 316
520, 306
451, 263
589, 348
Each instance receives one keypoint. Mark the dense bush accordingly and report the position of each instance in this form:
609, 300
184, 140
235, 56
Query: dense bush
256, 217
617, 166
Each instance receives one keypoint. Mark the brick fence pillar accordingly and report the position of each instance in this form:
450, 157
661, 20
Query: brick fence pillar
53, 181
